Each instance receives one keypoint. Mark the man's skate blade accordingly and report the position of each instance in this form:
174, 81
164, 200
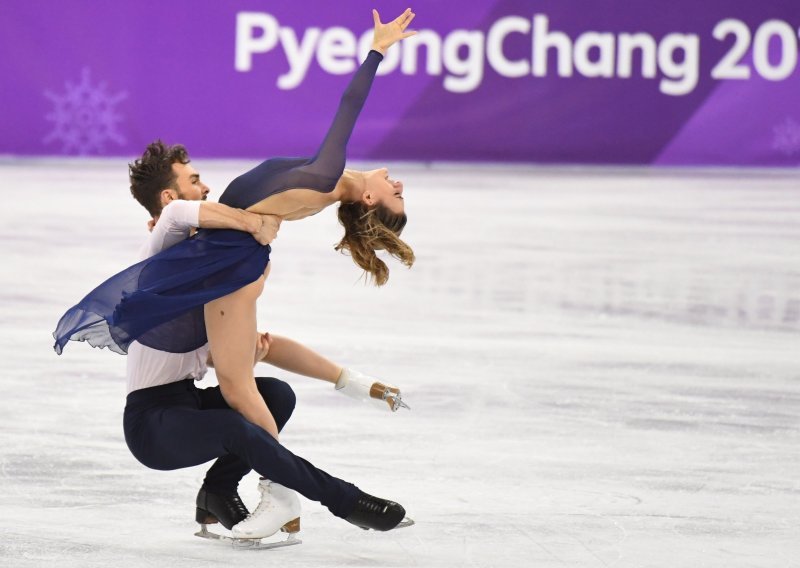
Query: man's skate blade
204, 533
407, 522
247, 543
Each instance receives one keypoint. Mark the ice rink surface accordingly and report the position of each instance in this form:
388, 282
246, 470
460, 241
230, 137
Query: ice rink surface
603, 368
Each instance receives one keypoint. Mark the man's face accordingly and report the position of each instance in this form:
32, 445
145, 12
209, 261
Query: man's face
188, 182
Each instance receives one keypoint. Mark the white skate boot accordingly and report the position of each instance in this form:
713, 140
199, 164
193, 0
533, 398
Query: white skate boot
363, 387
279, 510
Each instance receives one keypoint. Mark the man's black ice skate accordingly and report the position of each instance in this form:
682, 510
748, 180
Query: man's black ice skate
227, 509
378, 514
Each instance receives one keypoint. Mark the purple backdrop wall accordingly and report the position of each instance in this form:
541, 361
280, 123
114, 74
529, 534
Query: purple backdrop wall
628, 82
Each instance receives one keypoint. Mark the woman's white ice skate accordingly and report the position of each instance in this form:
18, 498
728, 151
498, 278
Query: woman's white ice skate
363, 387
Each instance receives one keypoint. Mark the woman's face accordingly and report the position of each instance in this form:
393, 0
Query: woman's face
380, 188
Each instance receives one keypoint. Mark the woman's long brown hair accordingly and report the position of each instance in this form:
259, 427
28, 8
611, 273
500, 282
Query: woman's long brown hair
367, 229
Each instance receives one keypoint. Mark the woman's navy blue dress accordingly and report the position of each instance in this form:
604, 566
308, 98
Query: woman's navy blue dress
159, 301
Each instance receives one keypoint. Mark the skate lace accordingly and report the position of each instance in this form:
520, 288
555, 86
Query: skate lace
237, 506
266, 504
372, 505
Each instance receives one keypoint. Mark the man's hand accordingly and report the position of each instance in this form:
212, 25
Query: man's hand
268, 231
387, 35
263, 341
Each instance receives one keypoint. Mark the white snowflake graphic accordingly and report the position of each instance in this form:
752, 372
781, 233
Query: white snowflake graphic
85, 117
786, 137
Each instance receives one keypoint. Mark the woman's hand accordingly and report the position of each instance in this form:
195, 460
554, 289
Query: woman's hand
387, 35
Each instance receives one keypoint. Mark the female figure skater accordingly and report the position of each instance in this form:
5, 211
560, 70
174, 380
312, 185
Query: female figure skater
371, 211
159, 301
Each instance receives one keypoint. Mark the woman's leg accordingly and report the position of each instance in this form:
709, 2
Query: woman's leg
224, 476
231, 329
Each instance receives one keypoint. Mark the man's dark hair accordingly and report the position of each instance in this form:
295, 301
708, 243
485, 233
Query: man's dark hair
153, 173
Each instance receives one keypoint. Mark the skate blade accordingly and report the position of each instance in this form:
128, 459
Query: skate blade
407, 522
391, 395
247, 543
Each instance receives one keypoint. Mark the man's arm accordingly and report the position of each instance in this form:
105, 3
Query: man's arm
179, 217
218, 216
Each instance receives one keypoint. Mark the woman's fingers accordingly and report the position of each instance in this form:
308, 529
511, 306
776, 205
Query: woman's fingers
407, 16
388, 34
404, 19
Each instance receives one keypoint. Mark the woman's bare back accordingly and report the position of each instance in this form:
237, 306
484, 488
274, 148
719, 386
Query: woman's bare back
294, 204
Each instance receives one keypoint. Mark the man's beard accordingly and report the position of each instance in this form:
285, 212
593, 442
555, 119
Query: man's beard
182, 195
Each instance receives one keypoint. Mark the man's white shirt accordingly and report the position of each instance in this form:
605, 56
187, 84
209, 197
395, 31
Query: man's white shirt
149, 367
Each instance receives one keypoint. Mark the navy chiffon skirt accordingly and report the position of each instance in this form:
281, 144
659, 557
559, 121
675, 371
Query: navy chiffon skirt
159, 301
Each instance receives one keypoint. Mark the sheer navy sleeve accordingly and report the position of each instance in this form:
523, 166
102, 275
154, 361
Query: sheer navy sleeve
323, 170
330, 158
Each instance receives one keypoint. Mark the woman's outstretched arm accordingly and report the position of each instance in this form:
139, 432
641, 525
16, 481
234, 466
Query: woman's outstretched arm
330, 158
